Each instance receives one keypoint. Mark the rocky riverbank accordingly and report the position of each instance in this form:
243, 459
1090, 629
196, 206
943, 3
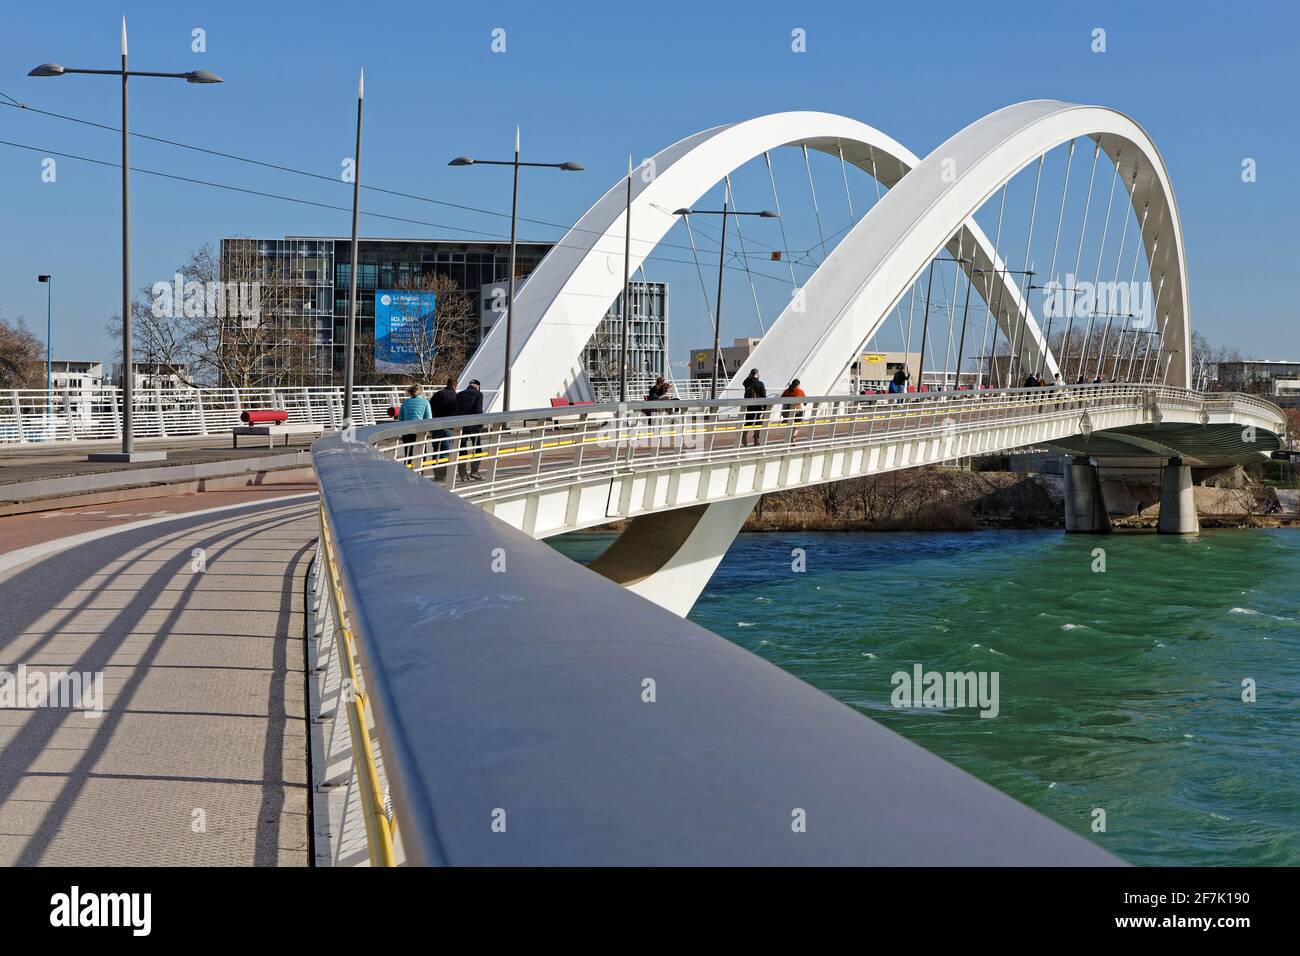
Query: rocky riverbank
951, 499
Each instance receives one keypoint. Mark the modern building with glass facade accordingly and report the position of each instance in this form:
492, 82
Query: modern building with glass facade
316, 273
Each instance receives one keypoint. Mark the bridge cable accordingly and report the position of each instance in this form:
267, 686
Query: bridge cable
1128, 319
1146, 352
1018, 343
1000, 275
744, 258
813, 191
845, 174
1105, 228
1137, 252
1074, 276
988, 288
1111, 299
1056, 245
698, 271
780, 219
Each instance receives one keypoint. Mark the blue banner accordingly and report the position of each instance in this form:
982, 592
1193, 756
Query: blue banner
404, 329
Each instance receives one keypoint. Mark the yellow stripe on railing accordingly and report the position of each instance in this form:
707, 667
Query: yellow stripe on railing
379, 829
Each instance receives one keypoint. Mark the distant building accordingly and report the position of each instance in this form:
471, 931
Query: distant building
1260, 377
73, 374
312, 313
152, 375
731, 359
647, 346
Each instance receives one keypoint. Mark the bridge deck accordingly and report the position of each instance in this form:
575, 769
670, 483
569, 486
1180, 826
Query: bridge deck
199, 757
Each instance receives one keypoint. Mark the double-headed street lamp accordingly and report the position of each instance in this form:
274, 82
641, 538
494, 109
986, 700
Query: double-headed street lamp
514, 220
128, 452
725, 212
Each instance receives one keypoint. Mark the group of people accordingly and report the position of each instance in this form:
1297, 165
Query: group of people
446, 402
754, 387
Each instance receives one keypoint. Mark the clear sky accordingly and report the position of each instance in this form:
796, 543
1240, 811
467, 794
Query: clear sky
593, 82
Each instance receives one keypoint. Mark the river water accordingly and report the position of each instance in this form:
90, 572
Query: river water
1119, 690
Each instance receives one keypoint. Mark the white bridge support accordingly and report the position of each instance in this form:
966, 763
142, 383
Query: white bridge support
1085, 508
1177, 499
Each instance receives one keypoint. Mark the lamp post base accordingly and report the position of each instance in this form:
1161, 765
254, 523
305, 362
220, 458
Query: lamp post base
129, 457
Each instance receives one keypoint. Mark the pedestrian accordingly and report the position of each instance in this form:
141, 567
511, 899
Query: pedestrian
443, 405
469, 401
792, 409
414, 408
754, 388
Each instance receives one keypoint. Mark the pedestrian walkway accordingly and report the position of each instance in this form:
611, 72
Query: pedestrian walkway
200, 755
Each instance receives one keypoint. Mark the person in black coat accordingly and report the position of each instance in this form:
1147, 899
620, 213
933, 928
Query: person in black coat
442, 404
469, 401
754, 388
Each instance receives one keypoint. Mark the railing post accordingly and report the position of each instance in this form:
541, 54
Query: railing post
67, 412
203, 415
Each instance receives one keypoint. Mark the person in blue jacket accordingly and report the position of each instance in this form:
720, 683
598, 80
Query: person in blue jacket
414, 408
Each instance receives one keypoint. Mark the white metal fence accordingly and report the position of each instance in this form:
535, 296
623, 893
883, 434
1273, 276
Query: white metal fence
91, 414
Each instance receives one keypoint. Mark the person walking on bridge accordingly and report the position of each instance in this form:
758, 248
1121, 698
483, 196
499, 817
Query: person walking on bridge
754, 388
443, 405
793, 411
414, 408
470, 402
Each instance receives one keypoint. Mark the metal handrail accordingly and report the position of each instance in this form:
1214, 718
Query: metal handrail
528, 449
379, 828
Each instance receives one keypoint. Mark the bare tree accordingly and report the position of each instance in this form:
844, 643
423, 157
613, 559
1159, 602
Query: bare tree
443, 353
22, 356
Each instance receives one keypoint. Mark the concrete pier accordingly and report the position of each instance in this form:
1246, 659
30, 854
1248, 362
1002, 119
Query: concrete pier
1177, 500
1085, 508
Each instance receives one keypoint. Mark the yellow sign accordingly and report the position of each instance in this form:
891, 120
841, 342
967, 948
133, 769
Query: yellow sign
701, 356
874, 358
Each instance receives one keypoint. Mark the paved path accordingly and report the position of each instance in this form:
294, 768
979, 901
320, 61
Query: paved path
200, 755
33, 462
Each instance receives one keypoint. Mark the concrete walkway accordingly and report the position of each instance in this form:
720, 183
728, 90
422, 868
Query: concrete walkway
200, 755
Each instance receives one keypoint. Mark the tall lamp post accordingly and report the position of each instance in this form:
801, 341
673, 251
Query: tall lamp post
725, 212
128, 452
49, 339
514, 221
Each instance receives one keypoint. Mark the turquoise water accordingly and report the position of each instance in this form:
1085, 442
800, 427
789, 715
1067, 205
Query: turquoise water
1119, 690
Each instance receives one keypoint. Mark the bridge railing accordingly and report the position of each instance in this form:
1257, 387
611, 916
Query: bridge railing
512, 451
94, 414
528, 711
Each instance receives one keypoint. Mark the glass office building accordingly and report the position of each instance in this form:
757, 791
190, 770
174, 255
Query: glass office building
311, 280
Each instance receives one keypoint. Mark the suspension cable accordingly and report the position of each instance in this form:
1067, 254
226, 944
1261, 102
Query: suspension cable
1114, 279
813, 191
1078, 257
1018, 344
744, 258
1105, 228
1056, 244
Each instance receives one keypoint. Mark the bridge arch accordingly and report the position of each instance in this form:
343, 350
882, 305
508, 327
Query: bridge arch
874, 265
570, 291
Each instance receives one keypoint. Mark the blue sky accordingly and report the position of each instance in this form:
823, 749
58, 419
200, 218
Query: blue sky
1212, 85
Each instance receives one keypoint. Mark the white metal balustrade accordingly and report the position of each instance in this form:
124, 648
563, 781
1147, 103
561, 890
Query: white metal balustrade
532, 453
93, 414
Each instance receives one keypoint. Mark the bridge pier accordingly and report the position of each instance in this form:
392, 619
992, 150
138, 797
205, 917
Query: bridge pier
668, 557
1085, 508
1177, 499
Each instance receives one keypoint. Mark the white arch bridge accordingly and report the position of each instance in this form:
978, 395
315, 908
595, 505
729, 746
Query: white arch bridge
685, 474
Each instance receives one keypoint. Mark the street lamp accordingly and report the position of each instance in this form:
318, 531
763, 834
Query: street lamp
725, 213
514, 220
49, 326
128, 452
